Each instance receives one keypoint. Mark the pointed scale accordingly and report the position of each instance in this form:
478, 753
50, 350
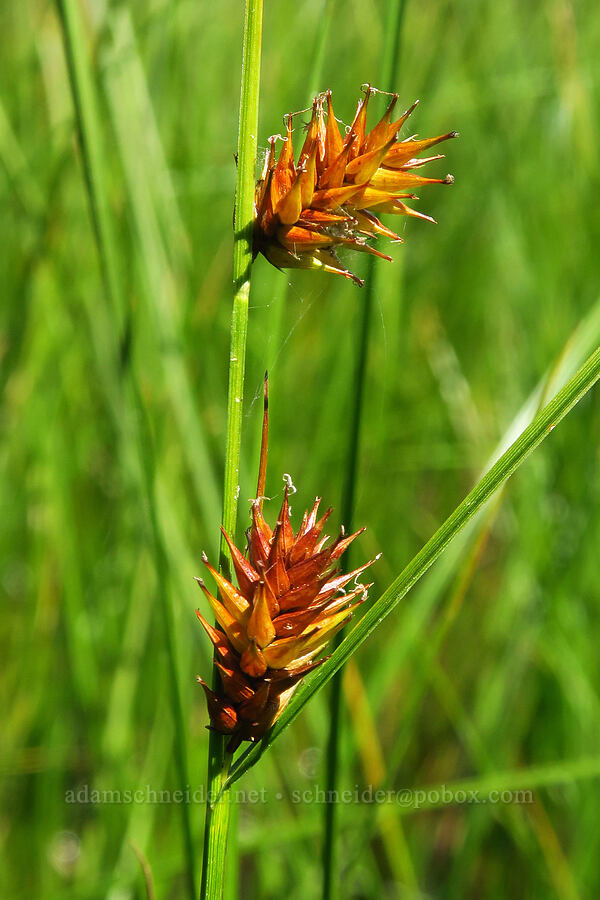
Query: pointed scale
334, 174
401, 153
290, 206
223, 716
328, 627
235, 685
374, 198
343, 542
293, 624
308, 178
259, 537
282, 652
228, 623
302, 596
380, 133
236, 604
341, 581
252, 708
285, 170
246, 575
321, 136
307, 570
317, 218
340, 602
398, 180
283, 676
363, 167
397, 125
305, 544
310, 141
359, 243
332, 198
333, 139
253, 662
287, 532
276, 572
260, 628
360, 122
302, 239
369, 224
311, 517
219, 641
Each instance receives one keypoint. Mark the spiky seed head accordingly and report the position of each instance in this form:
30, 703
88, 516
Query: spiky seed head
304, 211
272, 629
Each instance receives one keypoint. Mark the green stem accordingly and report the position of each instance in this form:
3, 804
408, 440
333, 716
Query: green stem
389, 71
87, 120
506, 465
218, 801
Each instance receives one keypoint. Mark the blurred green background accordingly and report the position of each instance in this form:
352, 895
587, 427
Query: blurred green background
491, 664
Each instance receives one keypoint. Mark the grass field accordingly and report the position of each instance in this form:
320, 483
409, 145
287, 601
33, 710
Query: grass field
486, 678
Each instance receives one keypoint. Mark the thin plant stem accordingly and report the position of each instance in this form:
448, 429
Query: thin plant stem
219, 800
389, 71
506, 465
87, 121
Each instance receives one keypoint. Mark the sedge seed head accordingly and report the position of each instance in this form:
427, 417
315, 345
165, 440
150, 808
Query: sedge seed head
332, 195
273, 627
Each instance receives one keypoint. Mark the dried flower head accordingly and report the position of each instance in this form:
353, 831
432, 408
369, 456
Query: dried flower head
304, 210
288, 603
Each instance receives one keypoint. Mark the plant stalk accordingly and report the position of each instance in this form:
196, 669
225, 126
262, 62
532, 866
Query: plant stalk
219, 800
389, 71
